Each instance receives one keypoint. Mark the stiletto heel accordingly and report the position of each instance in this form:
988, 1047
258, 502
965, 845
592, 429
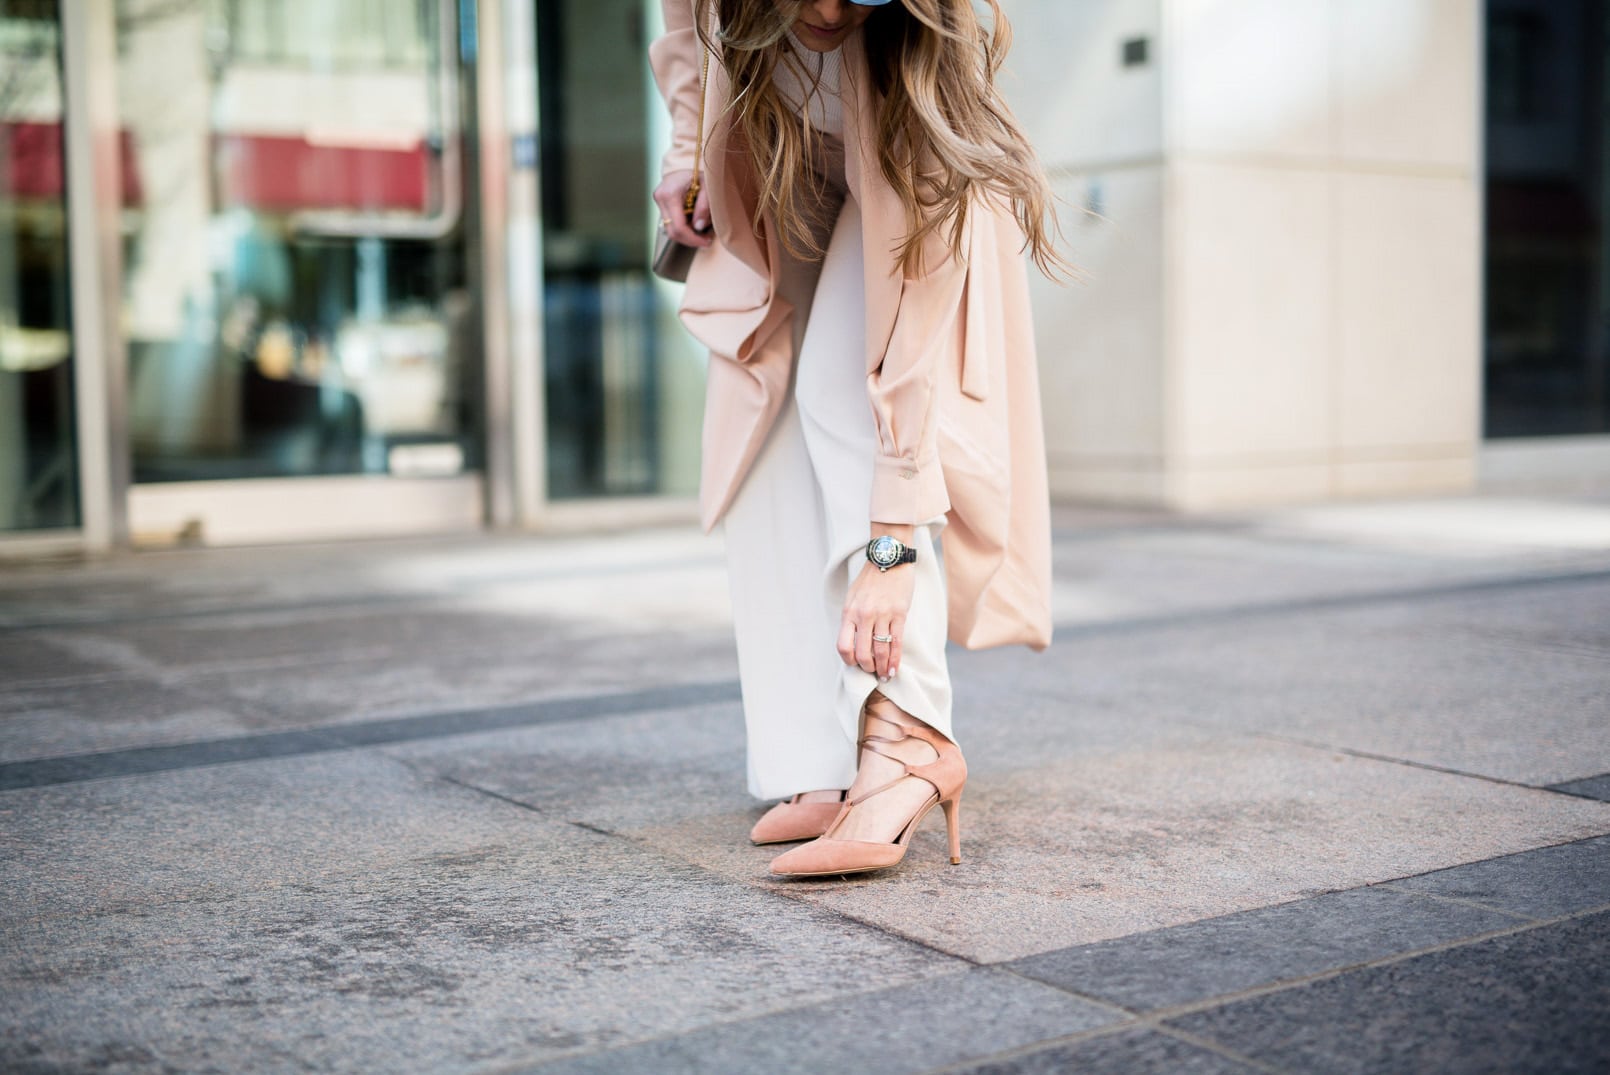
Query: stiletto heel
828, 856
953, 826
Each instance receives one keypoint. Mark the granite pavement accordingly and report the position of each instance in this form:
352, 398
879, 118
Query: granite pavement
1316, 790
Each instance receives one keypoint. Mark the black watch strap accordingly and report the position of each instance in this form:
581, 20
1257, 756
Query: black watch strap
881, 546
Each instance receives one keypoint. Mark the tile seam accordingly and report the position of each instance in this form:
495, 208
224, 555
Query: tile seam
385, 732
951, 964
518, 1068
966, 962
1302, 981
358, 601
1460, 902
1132, 1023
1337, 602
1510, 581
1408, 763
1212, 1046
1008, 1055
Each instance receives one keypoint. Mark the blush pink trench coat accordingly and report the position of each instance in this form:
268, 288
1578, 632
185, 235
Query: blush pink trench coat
951, 375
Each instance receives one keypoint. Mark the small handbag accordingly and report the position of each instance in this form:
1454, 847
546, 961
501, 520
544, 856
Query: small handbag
672, 259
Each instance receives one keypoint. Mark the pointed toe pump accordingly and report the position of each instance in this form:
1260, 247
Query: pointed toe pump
792, 820
829, 856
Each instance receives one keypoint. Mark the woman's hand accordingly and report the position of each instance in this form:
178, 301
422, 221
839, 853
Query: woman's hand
671, 196
877, 604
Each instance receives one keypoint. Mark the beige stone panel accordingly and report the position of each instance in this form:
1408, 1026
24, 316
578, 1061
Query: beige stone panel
1112, 839
1405, 477
1249, 76
1409, 81
1092, 480
1408, 311
1248, 485
1251, 277
1100, 338
1066, 81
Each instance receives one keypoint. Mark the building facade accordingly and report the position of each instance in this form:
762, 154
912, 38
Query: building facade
291, 269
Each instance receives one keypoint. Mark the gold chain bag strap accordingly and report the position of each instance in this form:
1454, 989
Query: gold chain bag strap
672, 259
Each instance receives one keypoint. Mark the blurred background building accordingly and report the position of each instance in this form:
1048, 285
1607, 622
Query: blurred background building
296, 269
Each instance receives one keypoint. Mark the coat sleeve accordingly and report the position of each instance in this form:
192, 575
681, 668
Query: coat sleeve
907, 484
674, 58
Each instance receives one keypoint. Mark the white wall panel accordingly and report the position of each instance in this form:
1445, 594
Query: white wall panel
1065, 80
1407, 80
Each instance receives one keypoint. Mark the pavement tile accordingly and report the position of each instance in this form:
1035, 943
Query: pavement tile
1127, 1052
425, 727
914, 1028
400, 629
674, 767
194, 833
1527, 1002
1188, 570
26, 655
521, 666
347, 913
1545, 883
1455, 684
373, 909
110, 714
1224, 955
1594, 787
1092, 846
167, 584
70, 592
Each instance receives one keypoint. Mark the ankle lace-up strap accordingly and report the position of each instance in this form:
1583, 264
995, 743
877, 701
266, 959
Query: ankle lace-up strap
946, 772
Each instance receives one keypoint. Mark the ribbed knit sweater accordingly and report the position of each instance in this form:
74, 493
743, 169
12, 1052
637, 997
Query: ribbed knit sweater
817, 89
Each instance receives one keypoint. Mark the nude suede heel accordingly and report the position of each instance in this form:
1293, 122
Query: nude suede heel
792, 820
827, 856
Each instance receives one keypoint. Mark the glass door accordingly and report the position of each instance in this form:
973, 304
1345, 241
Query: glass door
38, 458
298, 301
623, 383
1548, 218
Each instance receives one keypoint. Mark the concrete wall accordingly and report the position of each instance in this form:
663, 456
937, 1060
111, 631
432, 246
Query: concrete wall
1283, 290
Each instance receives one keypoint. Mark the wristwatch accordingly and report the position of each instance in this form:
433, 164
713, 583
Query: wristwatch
885, 552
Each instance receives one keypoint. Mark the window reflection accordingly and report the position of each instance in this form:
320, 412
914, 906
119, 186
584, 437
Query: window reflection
1548, 190
623, 384
296, 292
38, 462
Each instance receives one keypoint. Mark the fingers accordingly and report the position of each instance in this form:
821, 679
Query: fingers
856, 645
671, 197
863, 647
875, 608
881, 652
897, 628
846, 644
861, 643
701, 212
679, 230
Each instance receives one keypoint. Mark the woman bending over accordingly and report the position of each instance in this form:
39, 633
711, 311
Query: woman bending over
864, 204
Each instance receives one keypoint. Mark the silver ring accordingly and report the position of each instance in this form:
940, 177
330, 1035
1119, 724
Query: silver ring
883, 638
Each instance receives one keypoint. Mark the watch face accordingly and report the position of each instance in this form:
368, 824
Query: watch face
884, 551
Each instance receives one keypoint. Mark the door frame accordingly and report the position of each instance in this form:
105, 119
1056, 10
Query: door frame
116, 513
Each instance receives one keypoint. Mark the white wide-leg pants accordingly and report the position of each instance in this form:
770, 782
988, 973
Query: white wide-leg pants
796, 535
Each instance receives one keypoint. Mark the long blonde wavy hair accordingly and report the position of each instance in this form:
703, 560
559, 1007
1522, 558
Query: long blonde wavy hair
944, 135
